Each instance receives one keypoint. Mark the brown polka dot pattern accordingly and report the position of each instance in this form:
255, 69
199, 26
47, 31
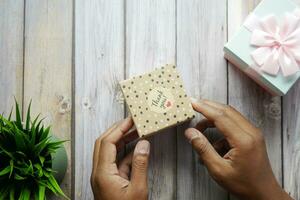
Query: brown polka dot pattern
157, 100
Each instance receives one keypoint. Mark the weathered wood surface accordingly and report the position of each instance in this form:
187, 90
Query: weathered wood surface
99, 66
114, 40
11, 53
201, 33
250, 99
48, 67
150, 42
291, 140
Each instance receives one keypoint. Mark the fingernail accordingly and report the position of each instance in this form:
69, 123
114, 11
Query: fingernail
142, 147
191, 134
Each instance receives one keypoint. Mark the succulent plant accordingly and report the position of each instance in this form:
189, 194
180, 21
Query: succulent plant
26, 153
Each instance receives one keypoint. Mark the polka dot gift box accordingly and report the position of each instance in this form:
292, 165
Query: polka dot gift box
157, 100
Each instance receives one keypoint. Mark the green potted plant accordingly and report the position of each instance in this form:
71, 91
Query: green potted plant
31, 160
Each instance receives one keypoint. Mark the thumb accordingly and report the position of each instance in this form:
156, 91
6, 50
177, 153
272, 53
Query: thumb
140, 162
211, 159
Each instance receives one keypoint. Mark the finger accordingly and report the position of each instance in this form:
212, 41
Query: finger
204, 124
108, 150
241, 120
119, 131
98, 143
110, 129
125, 165
211, 159
140, 164
220, 119
95, 154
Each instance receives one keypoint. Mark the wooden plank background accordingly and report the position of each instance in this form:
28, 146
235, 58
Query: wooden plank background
144, 51
201, 33
69, 55
11, 53
251, 100
99, 66
47, 67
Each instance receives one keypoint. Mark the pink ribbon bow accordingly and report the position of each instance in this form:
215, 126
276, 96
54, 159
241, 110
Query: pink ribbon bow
278, 44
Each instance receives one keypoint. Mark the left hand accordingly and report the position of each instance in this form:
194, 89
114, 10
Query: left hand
239, 162
124, 180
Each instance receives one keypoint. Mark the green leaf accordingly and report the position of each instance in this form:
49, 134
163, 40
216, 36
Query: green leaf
28, 116
25, 194
21, 154
4, 171
7, 153
55, 145
11, 163
41, 192
42, 160
39, 169
40, 146
50, 170
25, 155
56, 186
19, 178
37, 132
45, 134
7, 122
30, 168
46, 173
11, 111
18, 116
33, 130
25, 169
19, 138
36, 195
34, 122
48, 185
12, 193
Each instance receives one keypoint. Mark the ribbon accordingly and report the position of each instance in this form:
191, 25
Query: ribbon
277, 43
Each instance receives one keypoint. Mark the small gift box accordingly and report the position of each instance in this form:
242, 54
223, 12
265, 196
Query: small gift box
267, 46
157, 100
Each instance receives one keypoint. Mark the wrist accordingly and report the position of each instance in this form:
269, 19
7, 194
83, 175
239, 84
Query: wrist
271, 192
279, 195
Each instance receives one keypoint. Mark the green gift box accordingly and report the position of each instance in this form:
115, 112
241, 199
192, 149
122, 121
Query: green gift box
269, 66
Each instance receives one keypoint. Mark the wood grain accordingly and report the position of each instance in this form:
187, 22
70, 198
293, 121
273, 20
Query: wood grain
201, 33
11, 53
99, 66
47, 67
150, 42
246, 96
117, 39
291, 142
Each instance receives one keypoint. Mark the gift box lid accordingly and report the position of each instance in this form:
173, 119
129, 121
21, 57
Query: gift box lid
157, 100
239, 45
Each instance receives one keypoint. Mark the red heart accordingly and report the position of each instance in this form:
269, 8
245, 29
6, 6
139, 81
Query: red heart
168, 103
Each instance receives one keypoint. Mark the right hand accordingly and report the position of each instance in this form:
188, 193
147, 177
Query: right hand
127, 179
244, 169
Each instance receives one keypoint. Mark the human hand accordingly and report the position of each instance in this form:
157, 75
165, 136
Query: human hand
126, 180
244, 169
